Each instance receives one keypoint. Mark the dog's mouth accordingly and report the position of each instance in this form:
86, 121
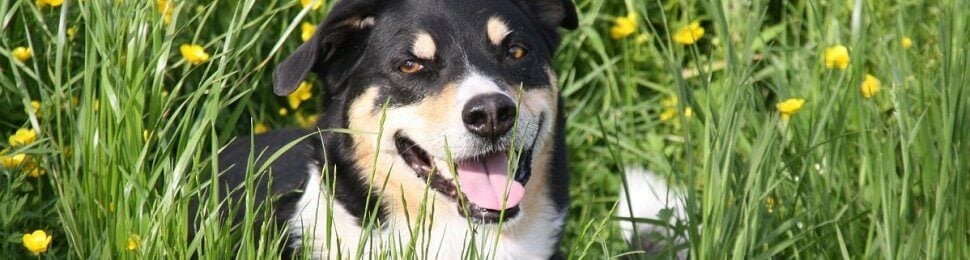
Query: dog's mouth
489, 193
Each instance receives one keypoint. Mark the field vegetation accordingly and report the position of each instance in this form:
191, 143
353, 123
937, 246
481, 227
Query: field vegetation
797, 129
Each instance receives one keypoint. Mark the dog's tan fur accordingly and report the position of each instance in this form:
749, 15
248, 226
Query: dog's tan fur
406, 196
496, 30
424, 46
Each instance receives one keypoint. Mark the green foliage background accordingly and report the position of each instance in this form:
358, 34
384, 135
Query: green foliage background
126, 126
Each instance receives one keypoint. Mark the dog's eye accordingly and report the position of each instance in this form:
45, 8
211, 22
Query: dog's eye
517, 52
410, 67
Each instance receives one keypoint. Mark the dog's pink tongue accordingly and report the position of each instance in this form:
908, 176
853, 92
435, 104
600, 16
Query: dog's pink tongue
486, 183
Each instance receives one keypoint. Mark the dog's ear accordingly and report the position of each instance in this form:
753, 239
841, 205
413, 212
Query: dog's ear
553, 13
348, 21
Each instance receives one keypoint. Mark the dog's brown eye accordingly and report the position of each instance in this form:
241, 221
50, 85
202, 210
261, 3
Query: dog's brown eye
517, 52
411, 67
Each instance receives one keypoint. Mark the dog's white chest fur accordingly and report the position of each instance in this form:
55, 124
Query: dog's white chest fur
324, 229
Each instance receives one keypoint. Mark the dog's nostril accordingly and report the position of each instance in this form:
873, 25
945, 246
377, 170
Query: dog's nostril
475, 117
489, 115
506, 113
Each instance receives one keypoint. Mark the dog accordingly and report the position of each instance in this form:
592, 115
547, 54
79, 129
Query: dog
454, 143
647, 196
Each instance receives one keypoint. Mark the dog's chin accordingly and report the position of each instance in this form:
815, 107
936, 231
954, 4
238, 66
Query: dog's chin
482, 179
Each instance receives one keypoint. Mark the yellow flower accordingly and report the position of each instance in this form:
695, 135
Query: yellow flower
306, 121
133, 241
789, 107
670, 108
33, 170
624, 26
316, 3
35, 107
690, 34
163, 6
283, 111
906, 42
22, 53
260, 128
23, 136
688, 112
71, 32
641, 39
37, 242
307, 31
194, 54
837, 57
45, 3
870, 86
145, 134
11, 162
668, 114
302, 93
166, 9
669, 101
770, 204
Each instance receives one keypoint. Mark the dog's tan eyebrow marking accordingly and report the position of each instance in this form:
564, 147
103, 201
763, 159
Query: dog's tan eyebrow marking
358, 23
424, 46
496, 29
366, 22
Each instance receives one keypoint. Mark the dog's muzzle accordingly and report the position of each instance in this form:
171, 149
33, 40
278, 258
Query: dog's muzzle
489, 188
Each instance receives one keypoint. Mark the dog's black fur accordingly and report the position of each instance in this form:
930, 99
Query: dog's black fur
349, 53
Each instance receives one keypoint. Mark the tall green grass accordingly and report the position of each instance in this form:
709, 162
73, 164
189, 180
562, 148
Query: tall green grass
128, 129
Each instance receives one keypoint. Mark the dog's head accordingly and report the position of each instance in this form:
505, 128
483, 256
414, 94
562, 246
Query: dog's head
458, 90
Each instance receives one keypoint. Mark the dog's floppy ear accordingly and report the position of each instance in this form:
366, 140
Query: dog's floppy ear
347, 21
554, 13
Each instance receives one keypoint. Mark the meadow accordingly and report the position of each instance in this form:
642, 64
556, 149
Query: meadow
797, 129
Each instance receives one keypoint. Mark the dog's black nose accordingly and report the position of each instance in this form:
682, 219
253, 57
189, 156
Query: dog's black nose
489, 115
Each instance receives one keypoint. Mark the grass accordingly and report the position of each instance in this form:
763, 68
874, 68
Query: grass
127, 127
